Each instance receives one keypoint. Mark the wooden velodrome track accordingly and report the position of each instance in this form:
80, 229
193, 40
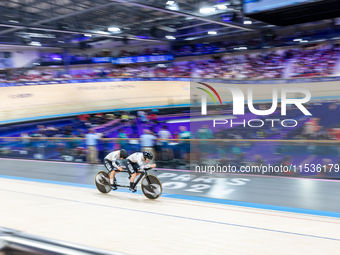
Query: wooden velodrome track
60, 205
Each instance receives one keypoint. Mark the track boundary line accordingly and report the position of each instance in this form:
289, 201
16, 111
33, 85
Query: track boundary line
199, 199
180, 217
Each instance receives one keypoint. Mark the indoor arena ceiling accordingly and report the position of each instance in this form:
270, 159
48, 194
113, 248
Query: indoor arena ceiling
74, 23
59, 22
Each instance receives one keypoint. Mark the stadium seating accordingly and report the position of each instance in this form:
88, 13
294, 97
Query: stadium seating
321, 61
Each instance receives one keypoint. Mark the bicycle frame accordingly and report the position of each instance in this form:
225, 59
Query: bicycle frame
145, 173
142, 174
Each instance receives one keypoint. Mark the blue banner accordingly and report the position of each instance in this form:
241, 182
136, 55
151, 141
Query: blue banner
131, 60
142, 59
102, 60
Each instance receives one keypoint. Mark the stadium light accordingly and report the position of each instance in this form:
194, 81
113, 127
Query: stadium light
36, 43
114, 29
172, 5
241, 48
298, 40
303, 41
170, 37
247, 22
190, 38
207, 10
87, 35
102, 32
13, 21
221, 7
212, 32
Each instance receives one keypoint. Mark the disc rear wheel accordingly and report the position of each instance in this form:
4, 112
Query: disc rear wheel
102, 181
152, 189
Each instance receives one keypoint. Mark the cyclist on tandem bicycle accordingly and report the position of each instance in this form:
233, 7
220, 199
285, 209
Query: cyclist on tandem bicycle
138, 161
111, 165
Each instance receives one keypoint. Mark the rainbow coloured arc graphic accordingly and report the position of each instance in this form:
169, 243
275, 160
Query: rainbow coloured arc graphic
209, 93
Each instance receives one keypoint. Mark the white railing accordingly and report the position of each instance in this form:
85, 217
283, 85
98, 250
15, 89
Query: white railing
21, 243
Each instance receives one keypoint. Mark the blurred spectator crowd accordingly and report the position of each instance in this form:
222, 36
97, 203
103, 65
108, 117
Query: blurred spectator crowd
138, 130
245, 67
318, 61
314, 63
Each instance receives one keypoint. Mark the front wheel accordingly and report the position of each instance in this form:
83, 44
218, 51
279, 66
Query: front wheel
102, 181
151, 187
